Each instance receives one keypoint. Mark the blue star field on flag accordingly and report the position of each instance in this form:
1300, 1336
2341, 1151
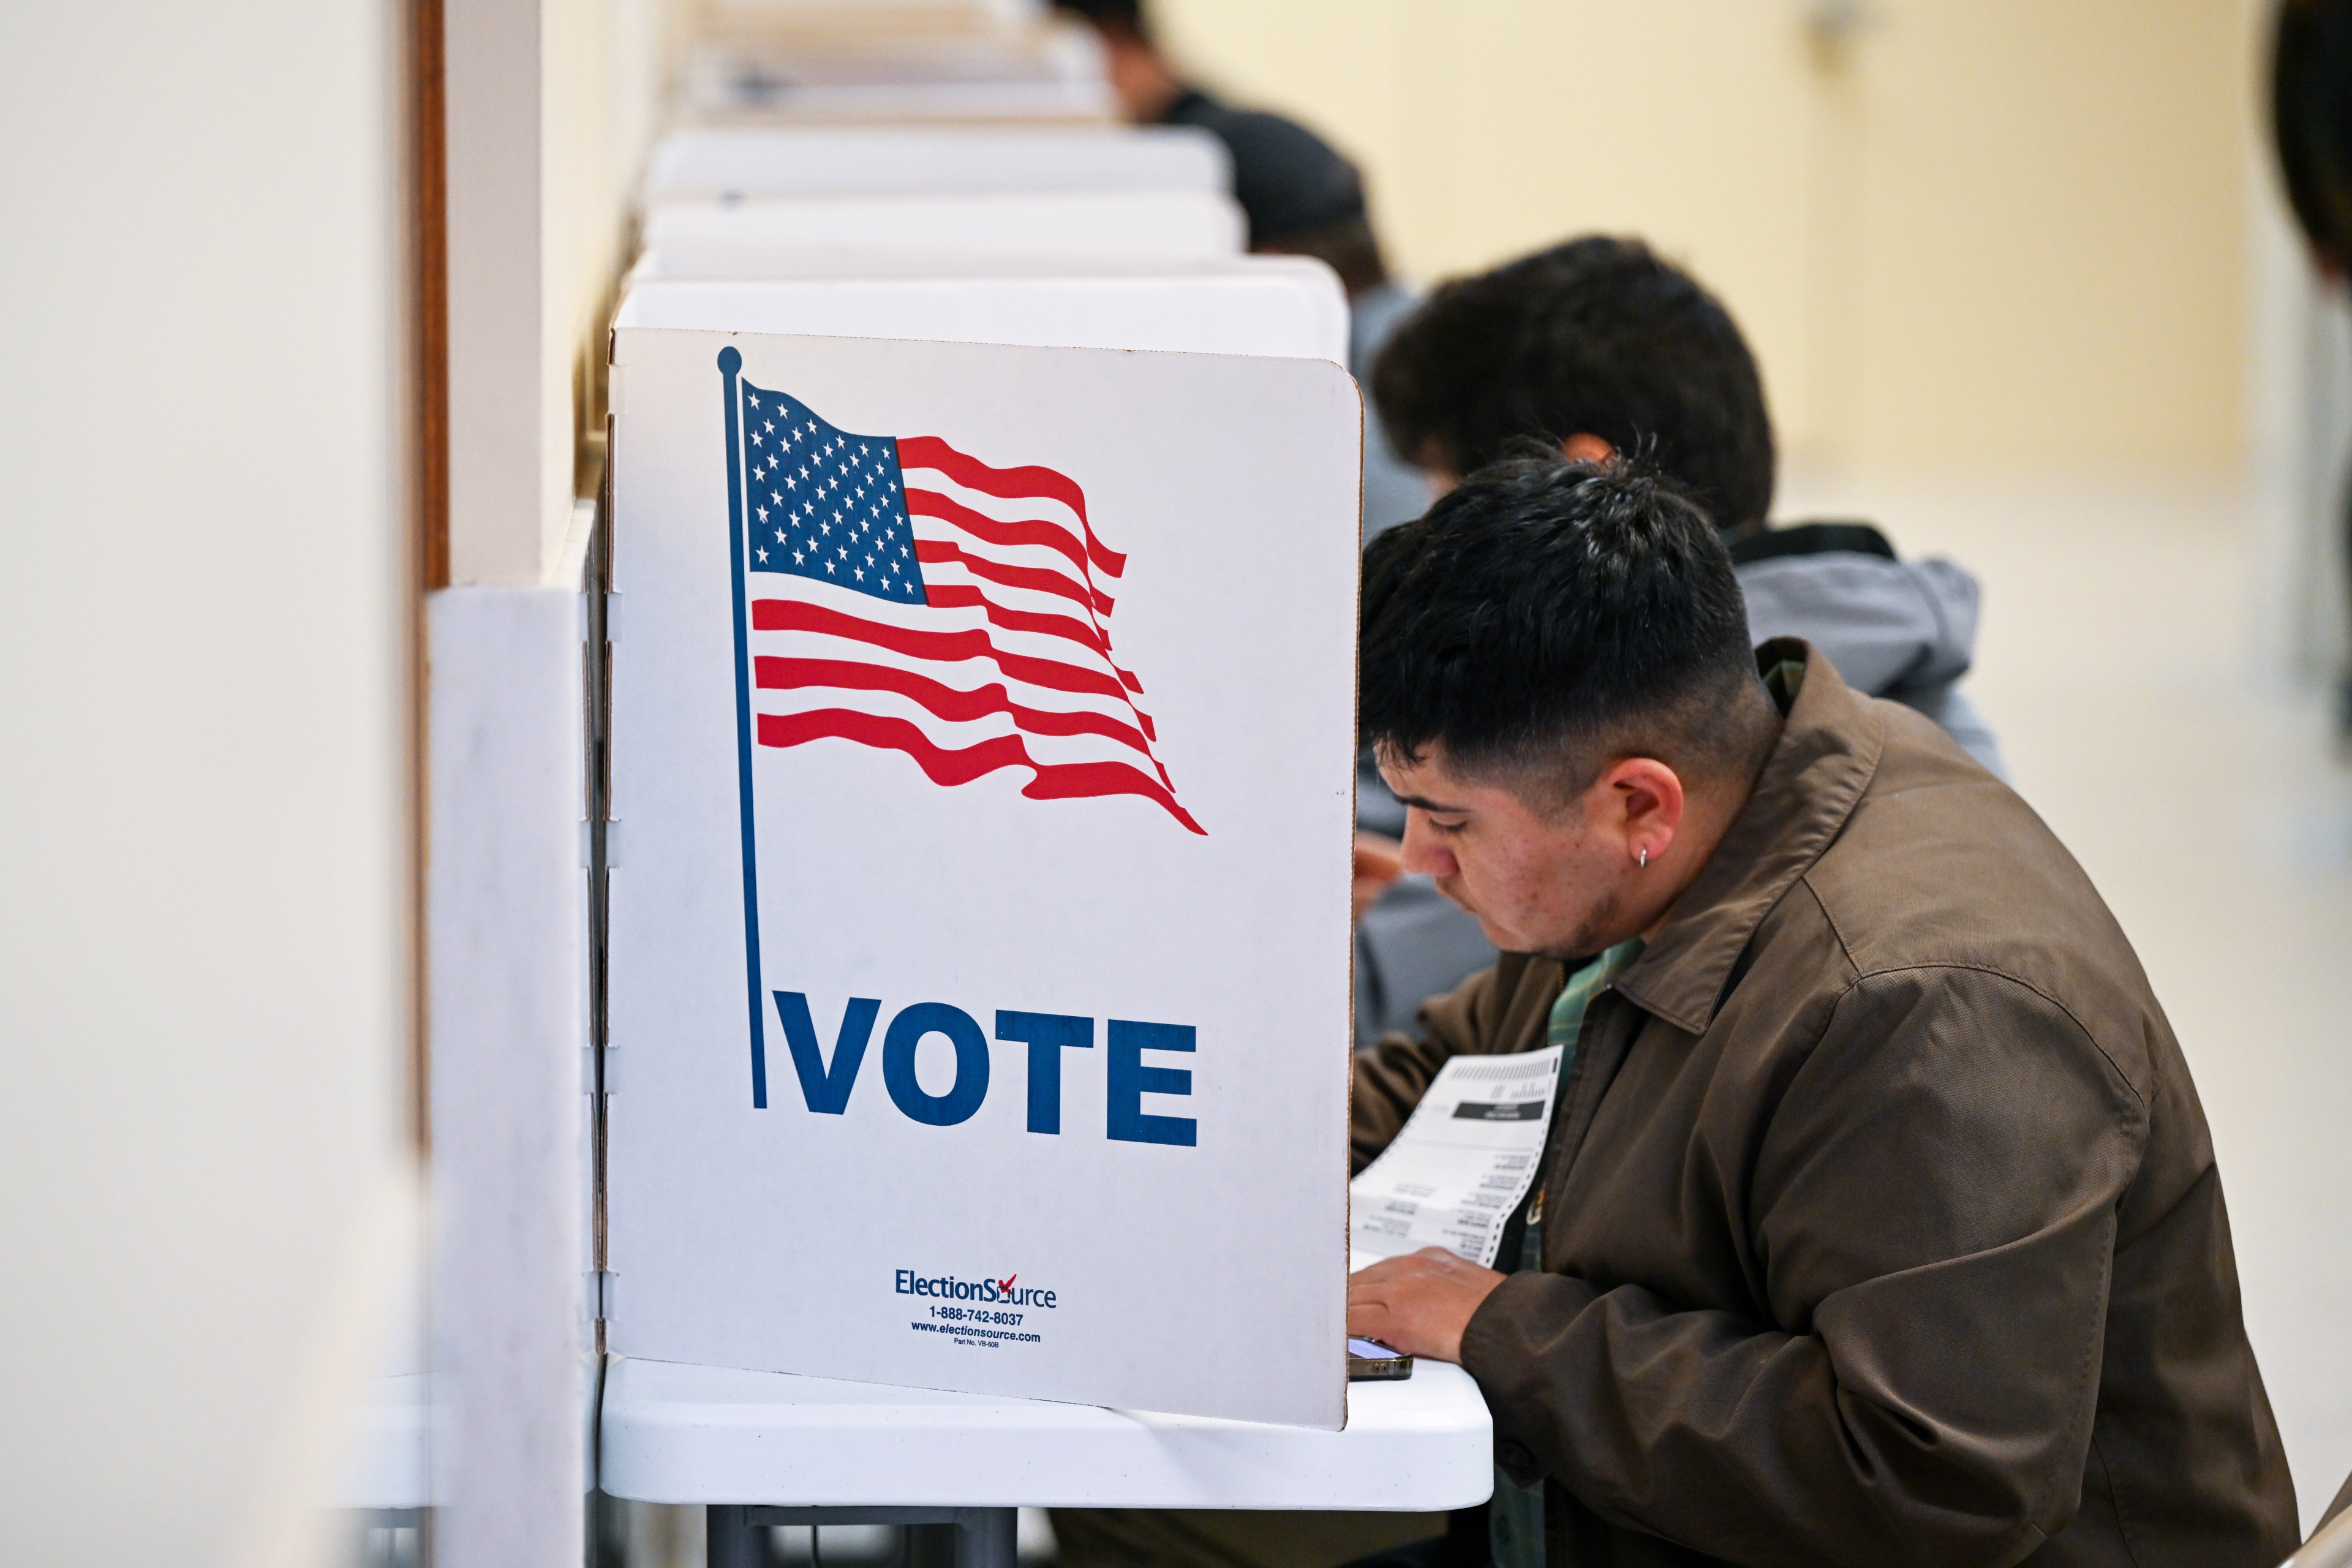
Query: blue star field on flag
825, 504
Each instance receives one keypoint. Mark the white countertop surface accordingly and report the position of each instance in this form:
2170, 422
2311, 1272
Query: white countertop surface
680, 1434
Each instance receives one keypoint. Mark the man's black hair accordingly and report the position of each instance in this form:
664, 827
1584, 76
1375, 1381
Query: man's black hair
1547, 618
1598, 336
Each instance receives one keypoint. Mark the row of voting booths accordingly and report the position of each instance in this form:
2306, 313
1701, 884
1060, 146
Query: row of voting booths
982, 563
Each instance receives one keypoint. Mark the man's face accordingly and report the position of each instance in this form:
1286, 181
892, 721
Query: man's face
1539, 877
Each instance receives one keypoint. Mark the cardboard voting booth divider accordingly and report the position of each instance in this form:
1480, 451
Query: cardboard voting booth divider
724, 83
1060, 223
880, 61
820, 160
982, 754
1283, 311
721, 259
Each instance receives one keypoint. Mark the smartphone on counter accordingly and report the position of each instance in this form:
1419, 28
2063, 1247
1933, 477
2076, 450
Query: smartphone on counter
1370, 1360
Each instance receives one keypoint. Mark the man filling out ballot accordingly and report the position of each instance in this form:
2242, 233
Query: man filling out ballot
1878, 1222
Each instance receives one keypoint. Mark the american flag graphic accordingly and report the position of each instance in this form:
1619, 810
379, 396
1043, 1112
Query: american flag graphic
903, 596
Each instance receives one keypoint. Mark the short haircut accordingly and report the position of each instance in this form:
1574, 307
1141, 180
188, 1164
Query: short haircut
1597, 336
1548, 617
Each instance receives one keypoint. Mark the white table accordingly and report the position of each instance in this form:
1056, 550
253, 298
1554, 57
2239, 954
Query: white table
762, 1448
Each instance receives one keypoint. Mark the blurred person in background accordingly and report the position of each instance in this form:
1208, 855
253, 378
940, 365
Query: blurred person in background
1597, 347
1301, 197
2311, 119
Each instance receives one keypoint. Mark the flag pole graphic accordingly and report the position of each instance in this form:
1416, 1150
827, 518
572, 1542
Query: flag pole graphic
730, 364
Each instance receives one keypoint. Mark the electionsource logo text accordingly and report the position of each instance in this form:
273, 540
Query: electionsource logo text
947, 1287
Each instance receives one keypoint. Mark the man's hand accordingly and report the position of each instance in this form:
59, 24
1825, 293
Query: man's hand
1380, 861
1420, 1303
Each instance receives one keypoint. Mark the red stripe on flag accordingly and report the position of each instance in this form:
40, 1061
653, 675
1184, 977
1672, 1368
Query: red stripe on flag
944, 766
1037, 579
949, 703
940, 765
1010, 484
1072, 780
795, 615
964, 597
995, 531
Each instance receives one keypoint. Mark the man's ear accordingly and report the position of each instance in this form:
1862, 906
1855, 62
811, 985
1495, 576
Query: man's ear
1644, 808
1584, 447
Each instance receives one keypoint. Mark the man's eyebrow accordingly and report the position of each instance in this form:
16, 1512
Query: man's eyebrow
1427, 805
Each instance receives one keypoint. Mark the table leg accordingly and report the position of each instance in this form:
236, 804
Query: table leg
731, 1541
930, 1545
980, 1538
985, 1537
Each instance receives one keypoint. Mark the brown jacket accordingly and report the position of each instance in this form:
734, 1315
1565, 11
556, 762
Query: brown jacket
1882, 1224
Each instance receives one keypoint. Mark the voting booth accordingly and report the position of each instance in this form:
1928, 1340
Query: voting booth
983, 558
1057, 223
899, 160
981, 751
873, 61
726, 258
1287, 309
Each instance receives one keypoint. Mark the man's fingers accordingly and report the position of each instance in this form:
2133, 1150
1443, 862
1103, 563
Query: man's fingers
1454, 1268
1421, 1302
1408, 1263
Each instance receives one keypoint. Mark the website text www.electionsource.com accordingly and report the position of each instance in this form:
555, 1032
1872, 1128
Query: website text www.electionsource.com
965, 1330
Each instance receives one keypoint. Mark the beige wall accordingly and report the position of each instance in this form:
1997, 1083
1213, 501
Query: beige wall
608, 68
551, 106
204, 977
1980, 229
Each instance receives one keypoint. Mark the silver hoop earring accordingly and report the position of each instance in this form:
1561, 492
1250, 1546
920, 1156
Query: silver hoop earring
1643, 861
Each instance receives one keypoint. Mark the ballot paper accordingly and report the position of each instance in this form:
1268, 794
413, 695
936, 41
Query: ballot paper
1466, 1158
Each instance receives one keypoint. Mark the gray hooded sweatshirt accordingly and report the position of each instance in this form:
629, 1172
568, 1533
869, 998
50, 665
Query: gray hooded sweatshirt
1899, 629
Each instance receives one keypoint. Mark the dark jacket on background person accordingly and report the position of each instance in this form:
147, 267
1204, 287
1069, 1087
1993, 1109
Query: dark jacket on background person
1900, 629
1881, 1221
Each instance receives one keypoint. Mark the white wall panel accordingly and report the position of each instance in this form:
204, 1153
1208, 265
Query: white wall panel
204, 926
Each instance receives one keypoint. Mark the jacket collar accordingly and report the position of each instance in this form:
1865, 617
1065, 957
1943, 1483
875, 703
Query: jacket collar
1826, 756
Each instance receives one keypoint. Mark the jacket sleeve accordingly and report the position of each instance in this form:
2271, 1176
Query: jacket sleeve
1929, 1226
1390, 1073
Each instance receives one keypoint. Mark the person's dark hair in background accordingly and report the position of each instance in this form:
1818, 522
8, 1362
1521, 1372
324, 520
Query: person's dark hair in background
1598, 348
1599, 336
1301, 198
2311, 119
2311, 122
1547, 617
1601, 349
